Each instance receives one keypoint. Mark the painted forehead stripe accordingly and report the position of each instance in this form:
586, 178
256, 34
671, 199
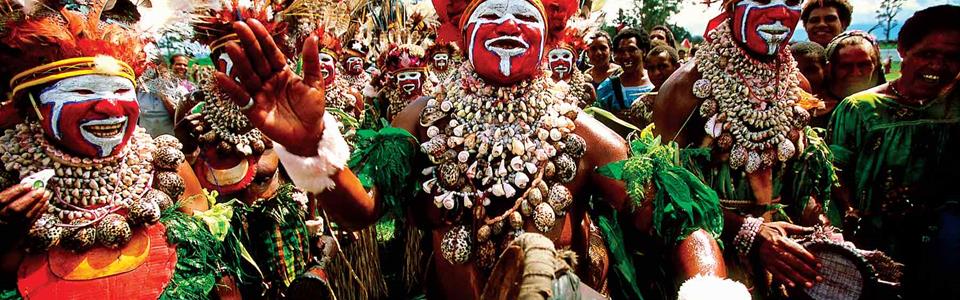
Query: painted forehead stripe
468, 12
63, 97
751, 5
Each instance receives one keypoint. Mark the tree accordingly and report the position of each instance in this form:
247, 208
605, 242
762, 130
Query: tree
886, 16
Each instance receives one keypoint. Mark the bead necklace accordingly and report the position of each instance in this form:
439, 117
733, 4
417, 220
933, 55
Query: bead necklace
751, 105
96, 201
512, 144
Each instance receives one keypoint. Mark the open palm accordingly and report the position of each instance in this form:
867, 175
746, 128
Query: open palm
286, 107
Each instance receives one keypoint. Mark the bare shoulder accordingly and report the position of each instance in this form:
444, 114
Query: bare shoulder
603, 144
409, 117
675, 101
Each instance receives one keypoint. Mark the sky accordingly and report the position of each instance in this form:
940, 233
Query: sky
694, 17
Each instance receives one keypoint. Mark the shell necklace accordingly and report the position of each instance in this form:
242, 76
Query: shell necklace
513, 144
95, 201
229, 128
751, 105
357, 82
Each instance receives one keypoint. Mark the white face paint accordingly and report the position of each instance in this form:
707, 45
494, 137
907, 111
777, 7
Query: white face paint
773, 33
227, 62
497, 12
560, 60
408, 81
327, 63
84, 92
440, 59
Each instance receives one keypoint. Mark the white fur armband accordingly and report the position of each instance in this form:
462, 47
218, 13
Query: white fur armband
712, 287
313, 173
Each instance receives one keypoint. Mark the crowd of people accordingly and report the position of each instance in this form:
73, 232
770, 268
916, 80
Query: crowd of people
482, 149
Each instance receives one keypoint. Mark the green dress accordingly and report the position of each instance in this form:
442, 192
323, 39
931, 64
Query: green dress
899, 164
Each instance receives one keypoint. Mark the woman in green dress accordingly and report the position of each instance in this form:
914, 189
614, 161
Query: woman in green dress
894, 146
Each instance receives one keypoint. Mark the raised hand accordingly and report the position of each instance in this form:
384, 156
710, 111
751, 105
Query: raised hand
788, 261
286, 107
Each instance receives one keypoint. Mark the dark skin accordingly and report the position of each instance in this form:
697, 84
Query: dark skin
599, 54
356, 208
789, 262
937, 55
630, 58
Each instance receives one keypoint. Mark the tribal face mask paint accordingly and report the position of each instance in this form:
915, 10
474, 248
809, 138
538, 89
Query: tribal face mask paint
561, 63
440, 61
765, 27
410, 83
328, 68
90, 115
505, 40
353, 65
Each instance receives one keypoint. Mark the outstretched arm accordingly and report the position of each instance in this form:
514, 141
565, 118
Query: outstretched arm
290, 110
698, 254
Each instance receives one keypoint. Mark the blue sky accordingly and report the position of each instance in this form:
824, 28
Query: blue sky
694, 17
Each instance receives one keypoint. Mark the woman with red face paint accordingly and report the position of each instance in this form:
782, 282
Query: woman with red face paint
743, 101
501, 154
895, 146
91, 205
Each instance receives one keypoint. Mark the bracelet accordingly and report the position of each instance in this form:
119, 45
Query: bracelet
743, 242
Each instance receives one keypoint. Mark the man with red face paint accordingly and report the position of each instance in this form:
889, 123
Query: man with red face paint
354, 58
744, 100
81, 181
502, 154
562, 63
405, 72
440, 57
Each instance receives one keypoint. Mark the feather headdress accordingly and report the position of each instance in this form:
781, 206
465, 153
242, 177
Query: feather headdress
402, 58
45, 41
214, 21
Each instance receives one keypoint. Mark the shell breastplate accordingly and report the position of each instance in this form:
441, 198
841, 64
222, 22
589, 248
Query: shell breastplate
752, 107
96, 201
513, 145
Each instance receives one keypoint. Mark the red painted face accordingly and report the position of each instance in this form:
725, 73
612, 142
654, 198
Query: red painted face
764, 27
561, 63
328, 68
90, 115
440, 61
353, 65
410, 83
505, 40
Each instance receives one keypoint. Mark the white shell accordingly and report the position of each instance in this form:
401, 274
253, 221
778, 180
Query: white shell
508, 190
446, 105
713, 128
521, 180
463, 156
555, 134
786, 150
516, 164
497, 189
448, 203
432, 131
517, 147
